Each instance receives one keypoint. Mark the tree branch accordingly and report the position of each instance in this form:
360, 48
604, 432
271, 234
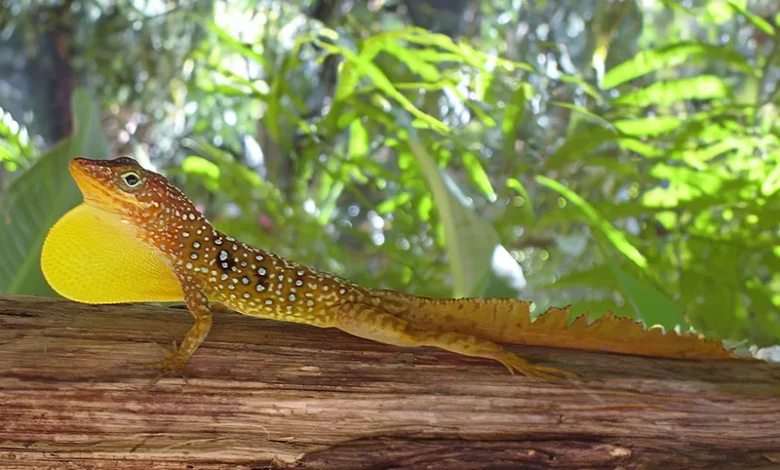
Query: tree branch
259, 394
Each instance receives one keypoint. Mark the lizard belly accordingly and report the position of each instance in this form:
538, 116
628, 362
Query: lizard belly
275, 307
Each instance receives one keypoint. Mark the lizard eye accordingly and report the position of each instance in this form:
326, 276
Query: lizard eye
131, 179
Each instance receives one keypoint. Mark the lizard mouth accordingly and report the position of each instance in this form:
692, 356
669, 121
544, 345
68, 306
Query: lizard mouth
92, 183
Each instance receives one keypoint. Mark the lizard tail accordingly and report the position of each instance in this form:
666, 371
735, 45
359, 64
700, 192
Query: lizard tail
508, 321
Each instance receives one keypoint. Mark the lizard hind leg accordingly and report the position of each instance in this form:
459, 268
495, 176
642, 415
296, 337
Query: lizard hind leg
371, 323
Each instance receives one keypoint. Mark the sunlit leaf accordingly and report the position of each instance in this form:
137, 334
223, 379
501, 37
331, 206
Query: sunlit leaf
516, 185
701, 87
424, 207
358, 140
413, 60
40, 196
637, 146
206, 171
771, 184
235, 44
15, 147
364, 66
597, 221
478, 174
705, 181
390, 205
651, 126
718, 12
671, 56
697, 156
757, 21
514, 113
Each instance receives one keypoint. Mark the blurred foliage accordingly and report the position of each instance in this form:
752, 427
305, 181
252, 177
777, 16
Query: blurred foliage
619, 156
39, 197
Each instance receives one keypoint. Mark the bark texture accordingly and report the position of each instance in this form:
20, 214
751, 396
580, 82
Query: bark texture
75, 394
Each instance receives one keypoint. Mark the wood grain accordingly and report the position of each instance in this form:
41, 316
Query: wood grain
74, 394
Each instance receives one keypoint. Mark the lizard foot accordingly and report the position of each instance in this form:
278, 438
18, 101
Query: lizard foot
173, 363
517, 364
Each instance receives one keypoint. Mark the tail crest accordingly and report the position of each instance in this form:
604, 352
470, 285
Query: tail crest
508, 321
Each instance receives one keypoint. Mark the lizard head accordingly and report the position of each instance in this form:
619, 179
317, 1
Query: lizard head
122, 186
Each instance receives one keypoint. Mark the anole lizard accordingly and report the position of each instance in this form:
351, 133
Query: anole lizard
138, 238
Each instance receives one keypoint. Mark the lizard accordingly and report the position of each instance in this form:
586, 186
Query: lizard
137, 238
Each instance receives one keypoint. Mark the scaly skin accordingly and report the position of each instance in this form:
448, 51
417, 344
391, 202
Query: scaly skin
211, 266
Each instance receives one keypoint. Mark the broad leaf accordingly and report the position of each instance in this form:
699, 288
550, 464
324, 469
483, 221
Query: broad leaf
650, 304
477, 259
40, 196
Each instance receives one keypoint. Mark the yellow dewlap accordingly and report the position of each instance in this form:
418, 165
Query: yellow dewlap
90, 256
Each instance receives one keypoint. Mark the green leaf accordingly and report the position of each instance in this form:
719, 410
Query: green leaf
586, 87
757, 21
650, 304
413, 60
599, 277
651, 126
478, 261
204, 170
363, 65
515, 184
15, 145
580, 144
637, 146
706, 182
580, 110
478, 174
390, 205
615, 236
671, 56
772, 182
597, 308
701, 87
40, 196
235, 44
272, 117
514, 113
358, 140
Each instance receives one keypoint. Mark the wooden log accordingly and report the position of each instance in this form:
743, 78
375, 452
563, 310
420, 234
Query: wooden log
74, 394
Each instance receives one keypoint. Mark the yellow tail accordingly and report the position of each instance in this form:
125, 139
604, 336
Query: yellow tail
508, 321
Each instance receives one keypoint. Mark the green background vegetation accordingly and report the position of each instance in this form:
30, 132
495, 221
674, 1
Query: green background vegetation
618, 156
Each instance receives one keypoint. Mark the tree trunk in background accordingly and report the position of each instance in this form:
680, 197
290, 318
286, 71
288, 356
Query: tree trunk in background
63, 82
439, 16
260, 394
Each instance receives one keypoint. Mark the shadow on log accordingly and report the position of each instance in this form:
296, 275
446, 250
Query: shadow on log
74, 394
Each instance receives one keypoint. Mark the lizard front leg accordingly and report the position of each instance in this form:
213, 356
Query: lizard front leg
198, 305
372, 323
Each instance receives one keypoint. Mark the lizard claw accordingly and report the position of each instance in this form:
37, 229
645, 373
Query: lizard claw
173, 363
516, 364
